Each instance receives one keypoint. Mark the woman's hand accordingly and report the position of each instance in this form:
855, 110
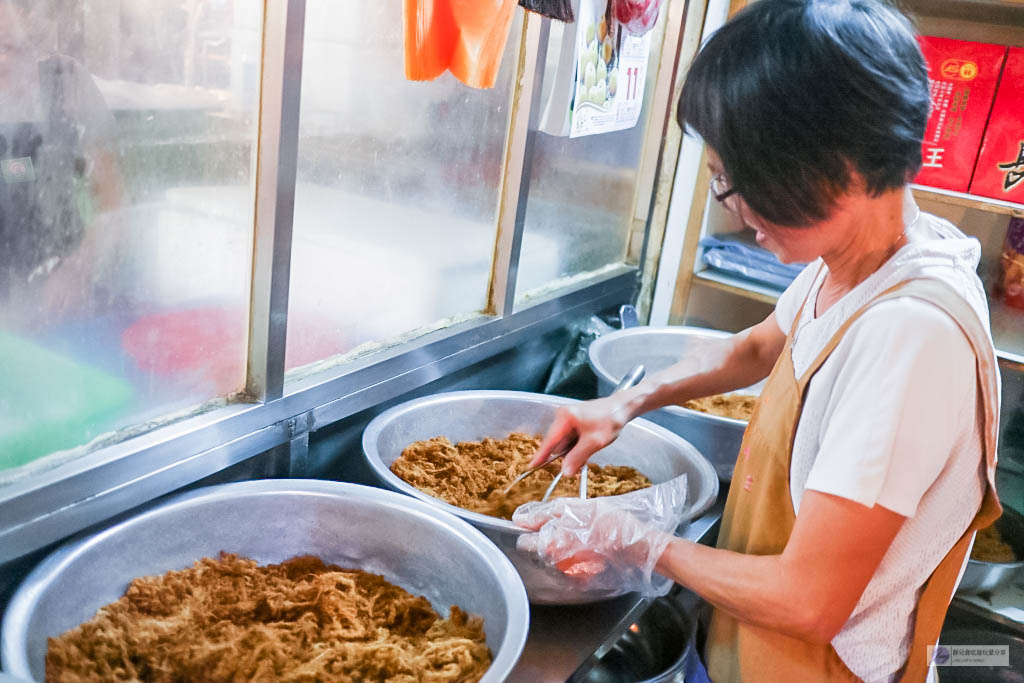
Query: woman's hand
721, 365
583, 429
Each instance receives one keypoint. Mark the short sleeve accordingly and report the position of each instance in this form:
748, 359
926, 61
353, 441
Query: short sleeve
788, 305
905, 394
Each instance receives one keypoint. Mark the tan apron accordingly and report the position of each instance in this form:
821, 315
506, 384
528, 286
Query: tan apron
759, 516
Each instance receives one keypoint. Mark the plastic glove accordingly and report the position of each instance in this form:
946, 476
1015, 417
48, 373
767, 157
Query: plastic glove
609, 543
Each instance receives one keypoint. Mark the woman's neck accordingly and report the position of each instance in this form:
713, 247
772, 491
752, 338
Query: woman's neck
874, 231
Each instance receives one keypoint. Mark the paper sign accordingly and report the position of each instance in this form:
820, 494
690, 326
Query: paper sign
610, 73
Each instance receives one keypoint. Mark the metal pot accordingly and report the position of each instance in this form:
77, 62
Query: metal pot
414, 545
658, 648
987, 576
474, 415
717, 438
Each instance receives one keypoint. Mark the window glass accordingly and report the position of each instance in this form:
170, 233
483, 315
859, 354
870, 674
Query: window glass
127, 131
580, 203
398, 187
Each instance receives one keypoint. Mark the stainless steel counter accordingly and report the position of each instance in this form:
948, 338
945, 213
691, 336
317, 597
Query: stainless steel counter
566, 641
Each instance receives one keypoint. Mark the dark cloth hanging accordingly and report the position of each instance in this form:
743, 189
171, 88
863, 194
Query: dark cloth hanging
555, 9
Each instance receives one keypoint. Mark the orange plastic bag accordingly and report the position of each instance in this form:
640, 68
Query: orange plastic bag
466, 37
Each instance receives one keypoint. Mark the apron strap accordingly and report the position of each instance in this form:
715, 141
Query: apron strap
944, 297
938, 590
805, 379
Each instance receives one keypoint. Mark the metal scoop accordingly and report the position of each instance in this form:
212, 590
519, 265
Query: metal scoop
630, 379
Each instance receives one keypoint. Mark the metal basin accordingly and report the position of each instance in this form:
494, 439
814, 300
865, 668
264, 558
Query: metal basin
986, 576
717, 438
474, 415
414, 545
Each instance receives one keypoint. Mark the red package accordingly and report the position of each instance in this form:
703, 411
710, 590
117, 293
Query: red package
962, 76
1000, 170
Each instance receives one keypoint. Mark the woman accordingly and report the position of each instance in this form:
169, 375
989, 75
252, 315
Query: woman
869, 462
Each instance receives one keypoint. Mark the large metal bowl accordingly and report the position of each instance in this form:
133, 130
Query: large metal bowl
474, 415
717, 438
982, 576
414, 545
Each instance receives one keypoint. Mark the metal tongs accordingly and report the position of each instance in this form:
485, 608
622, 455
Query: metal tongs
630, 379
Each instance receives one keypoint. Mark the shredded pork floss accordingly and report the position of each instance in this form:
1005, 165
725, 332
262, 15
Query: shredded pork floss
473, 474
229, 619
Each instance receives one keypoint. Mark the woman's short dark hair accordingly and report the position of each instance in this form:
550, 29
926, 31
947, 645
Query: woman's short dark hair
793, 95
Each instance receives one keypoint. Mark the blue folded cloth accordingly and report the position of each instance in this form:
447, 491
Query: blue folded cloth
751, 262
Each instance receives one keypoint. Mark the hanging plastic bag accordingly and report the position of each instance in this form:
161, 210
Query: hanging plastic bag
570, 373
466, 37
636, 16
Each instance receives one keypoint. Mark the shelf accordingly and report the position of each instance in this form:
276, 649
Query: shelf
738, 286
1006, 323
970, 201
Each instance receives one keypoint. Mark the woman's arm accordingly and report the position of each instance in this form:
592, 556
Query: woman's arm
743, 359
733, 363
810, 590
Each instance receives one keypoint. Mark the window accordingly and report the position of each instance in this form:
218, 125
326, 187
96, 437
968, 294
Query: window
127, 133
398, 185
581, 191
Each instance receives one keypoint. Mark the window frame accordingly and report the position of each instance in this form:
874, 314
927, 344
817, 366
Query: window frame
96, 482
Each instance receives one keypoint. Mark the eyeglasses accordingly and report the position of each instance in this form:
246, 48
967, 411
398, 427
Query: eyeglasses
720, 190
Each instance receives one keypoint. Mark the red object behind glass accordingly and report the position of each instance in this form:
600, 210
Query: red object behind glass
636, 16
1000, 170
963, 77
201, 347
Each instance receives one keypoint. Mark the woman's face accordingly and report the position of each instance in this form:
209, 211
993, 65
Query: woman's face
800, 244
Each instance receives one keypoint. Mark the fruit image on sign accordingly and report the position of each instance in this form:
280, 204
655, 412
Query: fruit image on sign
611, 67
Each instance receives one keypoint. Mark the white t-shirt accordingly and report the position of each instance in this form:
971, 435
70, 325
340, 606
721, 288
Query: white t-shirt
891, 419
